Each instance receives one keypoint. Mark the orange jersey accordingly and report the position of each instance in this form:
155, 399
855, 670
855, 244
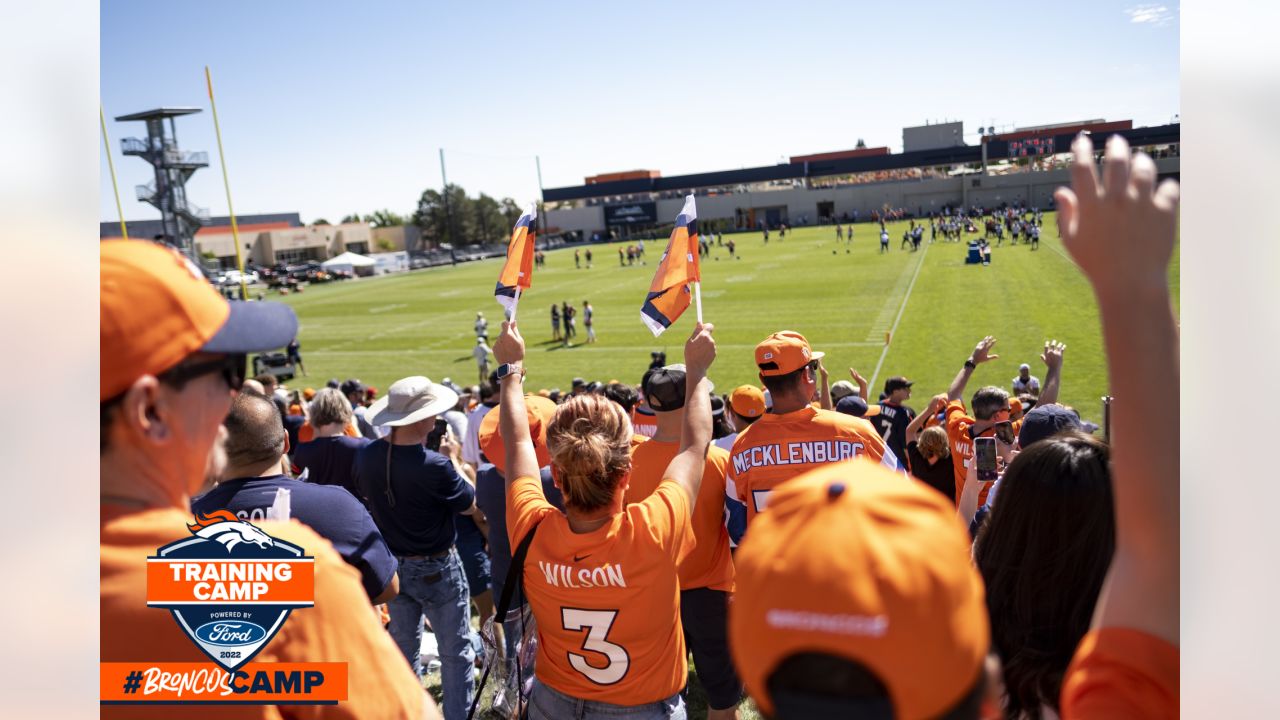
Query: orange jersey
1122, 673
958, 424
776, 448
342, 627
643, 423
608, 601
636, 440
710, 565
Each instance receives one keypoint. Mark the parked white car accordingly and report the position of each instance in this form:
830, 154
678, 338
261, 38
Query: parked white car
232, 277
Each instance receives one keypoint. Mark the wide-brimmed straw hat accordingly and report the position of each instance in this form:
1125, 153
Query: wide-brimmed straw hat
411, 400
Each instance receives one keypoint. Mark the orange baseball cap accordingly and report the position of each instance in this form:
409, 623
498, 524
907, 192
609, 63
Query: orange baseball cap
747, 401
539, 410
308, 393
854, 561
784, 352
157, 309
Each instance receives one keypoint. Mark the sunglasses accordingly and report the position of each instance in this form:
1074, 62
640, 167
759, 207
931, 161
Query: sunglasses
232, 368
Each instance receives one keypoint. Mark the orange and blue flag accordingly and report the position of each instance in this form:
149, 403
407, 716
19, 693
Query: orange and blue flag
669, 295
517, 271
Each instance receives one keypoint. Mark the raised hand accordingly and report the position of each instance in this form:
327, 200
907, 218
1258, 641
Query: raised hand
509, 347
1120, 231
857, 377
982, 352
1052, 355
700, 349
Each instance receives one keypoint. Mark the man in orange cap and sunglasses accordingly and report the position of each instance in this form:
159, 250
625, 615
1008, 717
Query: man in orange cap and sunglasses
173, 357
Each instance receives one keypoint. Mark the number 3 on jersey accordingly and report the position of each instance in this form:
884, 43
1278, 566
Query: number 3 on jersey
597, 624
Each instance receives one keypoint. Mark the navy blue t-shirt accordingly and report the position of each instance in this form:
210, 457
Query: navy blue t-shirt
331, 511
292, 424
491, 498
329, 461
427, 492
892, 424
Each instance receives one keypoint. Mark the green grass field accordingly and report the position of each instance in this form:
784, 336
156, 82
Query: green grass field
420, 323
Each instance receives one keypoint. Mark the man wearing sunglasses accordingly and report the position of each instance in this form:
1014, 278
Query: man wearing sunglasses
172, 358
990, 406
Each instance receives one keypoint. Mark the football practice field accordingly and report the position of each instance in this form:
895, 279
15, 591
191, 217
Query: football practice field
843, 297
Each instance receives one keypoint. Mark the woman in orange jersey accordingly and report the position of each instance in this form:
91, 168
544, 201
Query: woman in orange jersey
602, 577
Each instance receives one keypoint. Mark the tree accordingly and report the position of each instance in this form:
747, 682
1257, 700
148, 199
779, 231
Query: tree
352, 218
320, 221
384, 218
488, 219
432, 216
862, 144
511, 212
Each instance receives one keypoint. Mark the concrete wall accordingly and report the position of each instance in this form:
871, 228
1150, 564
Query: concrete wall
1035, 189
586, 219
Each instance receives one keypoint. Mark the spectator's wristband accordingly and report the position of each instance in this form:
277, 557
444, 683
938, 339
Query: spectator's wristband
970, 364
510, 369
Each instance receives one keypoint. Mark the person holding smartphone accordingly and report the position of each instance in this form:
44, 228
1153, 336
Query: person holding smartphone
990, 406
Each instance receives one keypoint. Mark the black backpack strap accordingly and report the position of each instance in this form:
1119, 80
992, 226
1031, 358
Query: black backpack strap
515, 577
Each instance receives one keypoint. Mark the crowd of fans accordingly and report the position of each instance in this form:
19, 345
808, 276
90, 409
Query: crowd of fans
827, 553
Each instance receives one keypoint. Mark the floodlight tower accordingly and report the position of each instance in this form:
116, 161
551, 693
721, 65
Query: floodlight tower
168, 192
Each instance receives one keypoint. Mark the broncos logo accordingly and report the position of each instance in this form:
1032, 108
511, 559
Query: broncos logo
223, 527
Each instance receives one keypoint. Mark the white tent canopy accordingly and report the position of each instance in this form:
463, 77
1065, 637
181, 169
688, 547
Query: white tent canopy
350, 260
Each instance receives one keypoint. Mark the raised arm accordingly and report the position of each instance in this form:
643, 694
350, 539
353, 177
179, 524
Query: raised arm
862, 384
981, 354
1052, 359
1121, 233
967, 505
513, 420
687, 466
913, 429
824, 388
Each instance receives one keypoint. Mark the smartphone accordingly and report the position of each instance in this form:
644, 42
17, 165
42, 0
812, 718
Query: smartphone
440, 428
984, 450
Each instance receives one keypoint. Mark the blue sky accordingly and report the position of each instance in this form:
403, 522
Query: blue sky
329, 108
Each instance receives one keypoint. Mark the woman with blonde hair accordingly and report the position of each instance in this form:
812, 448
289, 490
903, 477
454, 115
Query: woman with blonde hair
601, 577
928, 454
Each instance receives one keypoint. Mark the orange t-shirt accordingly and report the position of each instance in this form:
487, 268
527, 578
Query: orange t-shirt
636, 440
307, 433
1121, 673
961, 445
710, 565
776, 448
643, 423
608, 601
342, 626
958, 424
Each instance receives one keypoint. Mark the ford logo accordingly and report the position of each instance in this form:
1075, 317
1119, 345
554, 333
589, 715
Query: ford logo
230, 633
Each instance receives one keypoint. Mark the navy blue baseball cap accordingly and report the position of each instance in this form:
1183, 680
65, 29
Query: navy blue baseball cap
1044, 421
852, 405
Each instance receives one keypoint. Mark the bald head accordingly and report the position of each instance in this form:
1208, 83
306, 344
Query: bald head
255, 434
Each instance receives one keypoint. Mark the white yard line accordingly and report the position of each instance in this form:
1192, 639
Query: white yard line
894, 330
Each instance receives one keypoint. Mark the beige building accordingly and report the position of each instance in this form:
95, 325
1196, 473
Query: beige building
400, 238
271, 245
